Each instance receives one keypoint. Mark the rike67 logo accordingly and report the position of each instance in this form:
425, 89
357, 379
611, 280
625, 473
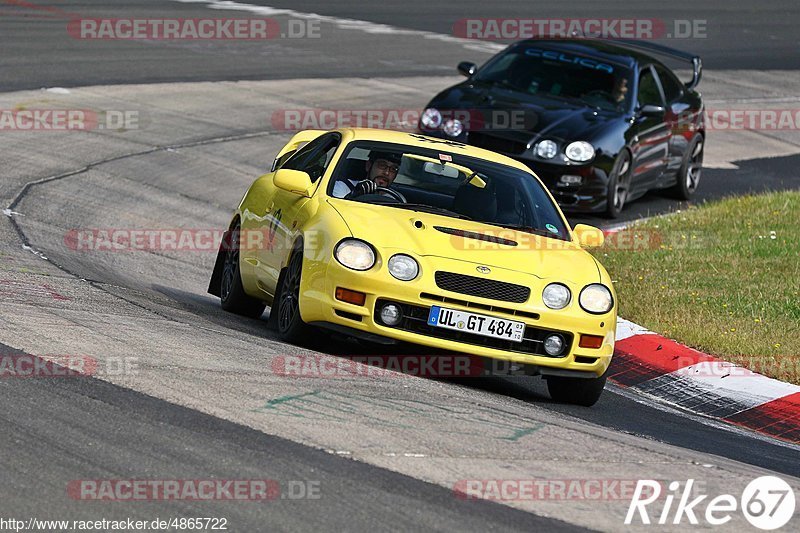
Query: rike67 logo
767, 503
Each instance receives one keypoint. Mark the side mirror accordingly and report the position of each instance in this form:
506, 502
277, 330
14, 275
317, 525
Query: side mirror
650, 110
294, 181
467, 69
589, 236
279, 161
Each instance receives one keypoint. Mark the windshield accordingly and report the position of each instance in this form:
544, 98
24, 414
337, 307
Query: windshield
561, 75
449, 184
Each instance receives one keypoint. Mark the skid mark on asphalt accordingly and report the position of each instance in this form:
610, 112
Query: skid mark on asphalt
400, 413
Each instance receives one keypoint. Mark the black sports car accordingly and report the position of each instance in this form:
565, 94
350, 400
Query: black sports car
600, 122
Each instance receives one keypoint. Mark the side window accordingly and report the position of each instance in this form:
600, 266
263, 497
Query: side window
673, 89
649, 93
315, 157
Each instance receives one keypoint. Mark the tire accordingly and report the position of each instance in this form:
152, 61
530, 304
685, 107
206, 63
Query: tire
232, 295
576, 391
285, 312
619, 184
691, 168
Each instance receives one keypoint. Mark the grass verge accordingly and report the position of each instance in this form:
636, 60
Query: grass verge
723, 278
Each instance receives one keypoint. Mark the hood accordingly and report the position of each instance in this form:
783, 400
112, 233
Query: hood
540, 116
391, 230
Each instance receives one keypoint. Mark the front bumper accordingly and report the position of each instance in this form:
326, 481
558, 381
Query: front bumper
417, 297
590, 196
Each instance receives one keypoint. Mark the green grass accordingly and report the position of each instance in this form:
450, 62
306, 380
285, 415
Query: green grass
723, 278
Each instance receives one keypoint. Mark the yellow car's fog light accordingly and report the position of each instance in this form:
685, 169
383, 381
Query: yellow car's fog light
554, 344
391, 314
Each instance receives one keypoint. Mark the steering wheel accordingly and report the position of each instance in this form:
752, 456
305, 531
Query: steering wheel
397, 195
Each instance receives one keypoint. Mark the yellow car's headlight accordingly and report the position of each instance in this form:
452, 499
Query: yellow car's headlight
556, 296
403, 267
596, 299
355, 254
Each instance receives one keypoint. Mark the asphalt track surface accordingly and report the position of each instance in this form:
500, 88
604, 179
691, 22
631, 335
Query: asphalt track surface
87, 428
67, 429
38, 52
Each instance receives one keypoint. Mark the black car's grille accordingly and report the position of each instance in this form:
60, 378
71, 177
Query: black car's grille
481, 287
415, 320
497, 144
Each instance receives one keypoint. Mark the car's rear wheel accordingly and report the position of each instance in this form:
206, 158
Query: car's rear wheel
619, 184
286, 307
577, 391
691, 168
232, 295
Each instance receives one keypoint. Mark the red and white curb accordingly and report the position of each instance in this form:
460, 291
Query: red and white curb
664, 369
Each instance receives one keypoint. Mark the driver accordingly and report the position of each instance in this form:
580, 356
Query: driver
620, 90
381, 170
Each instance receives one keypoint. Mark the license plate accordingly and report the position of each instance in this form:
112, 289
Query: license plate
488, 326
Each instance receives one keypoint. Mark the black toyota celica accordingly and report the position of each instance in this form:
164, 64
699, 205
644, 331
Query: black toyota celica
600, 122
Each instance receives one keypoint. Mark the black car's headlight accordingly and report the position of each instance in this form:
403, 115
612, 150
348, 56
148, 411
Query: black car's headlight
431, 118
355, 254
453, 127
579, 151
596, 299
546, 149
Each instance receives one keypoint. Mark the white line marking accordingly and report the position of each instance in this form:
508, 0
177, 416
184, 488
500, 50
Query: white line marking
627, 329
349, 24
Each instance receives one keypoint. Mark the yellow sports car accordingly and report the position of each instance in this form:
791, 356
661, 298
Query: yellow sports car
389, 236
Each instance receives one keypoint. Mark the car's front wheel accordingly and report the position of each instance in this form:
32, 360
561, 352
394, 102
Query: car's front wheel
577, 391
619, 184
232, 295
285, 312
691, 168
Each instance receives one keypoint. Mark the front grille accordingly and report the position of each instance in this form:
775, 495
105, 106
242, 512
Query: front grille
482, 287
415, 320
496, 144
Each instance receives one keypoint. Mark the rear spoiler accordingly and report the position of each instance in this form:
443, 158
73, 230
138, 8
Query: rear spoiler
659, 49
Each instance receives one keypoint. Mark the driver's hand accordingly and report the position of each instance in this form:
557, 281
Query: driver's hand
365, 187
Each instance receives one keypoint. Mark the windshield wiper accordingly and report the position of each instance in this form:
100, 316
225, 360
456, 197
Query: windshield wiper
430, 209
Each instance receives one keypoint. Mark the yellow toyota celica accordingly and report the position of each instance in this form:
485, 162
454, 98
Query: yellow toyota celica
389, 236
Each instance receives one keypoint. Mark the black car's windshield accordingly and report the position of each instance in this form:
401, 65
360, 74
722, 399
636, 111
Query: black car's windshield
451, 184
555, 74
